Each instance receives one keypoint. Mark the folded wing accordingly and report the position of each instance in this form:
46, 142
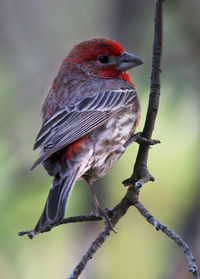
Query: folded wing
72, 122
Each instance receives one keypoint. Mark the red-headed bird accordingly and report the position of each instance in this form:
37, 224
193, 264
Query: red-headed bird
89, 115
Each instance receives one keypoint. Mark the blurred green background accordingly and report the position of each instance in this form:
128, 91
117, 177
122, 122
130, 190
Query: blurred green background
35, 37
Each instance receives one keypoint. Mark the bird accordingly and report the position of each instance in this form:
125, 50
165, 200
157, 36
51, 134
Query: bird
88, 119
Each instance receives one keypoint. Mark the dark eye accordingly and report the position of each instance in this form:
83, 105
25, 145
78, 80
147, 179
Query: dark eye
103, 59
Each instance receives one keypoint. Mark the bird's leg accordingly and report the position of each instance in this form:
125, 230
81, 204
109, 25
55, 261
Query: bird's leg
100, 211
140, 140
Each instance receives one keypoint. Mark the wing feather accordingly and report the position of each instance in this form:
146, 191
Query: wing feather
72, 122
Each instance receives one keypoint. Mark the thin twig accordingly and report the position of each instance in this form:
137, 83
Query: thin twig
96, 244
141, 174
73, 219
175, 237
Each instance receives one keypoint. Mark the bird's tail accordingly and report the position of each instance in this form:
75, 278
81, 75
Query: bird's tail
56, 202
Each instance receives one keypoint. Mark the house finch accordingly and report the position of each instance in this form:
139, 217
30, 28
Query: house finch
89, 115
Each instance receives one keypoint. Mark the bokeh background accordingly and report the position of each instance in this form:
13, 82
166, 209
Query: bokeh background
35, 37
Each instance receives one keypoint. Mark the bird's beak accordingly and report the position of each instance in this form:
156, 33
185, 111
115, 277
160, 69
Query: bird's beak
127, 61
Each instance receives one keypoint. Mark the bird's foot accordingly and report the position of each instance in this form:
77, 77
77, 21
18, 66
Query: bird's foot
102, 213
140, 140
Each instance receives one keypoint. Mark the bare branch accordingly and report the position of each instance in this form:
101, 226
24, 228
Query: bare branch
73, 219
176, 238
96, 244
141, 174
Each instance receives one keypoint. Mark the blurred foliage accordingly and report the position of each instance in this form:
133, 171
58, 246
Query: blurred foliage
35, 36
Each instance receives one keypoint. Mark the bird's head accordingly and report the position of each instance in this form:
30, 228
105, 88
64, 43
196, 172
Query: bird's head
103, 58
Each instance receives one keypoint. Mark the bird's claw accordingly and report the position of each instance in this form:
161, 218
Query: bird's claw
102, 213
141, 140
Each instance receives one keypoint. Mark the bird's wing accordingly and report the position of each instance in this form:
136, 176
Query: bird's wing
70, 123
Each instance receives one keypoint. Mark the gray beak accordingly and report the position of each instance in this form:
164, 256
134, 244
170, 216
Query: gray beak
127, 61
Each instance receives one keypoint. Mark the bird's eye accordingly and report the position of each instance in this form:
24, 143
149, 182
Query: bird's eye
103, 59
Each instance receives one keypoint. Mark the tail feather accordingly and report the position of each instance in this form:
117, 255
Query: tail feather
56, 202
